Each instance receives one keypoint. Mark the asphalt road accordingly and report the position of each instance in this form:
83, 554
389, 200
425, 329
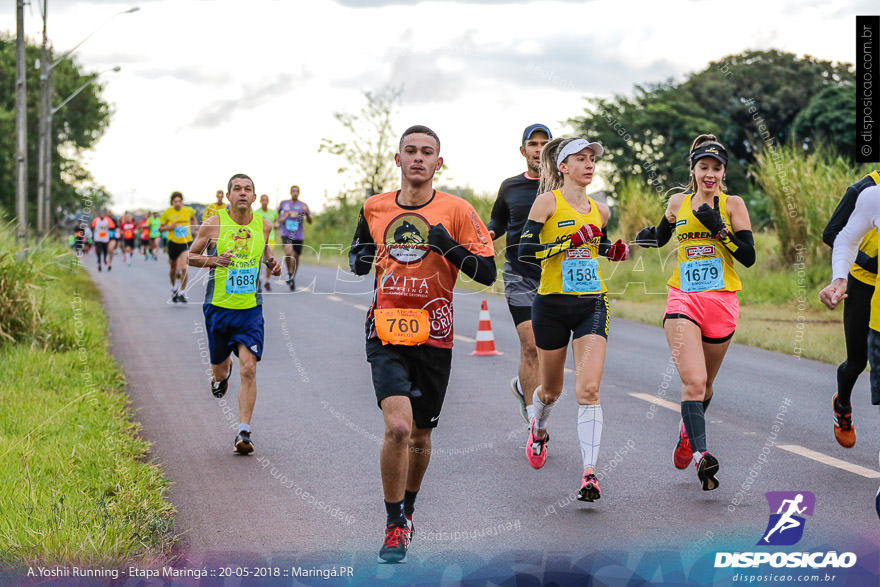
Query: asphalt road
311, 492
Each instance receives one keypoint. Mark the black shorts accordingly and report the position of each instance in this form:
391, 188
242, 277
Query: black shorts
419, 372
520, 314
557, 318
297, 244
129, 242
176, 249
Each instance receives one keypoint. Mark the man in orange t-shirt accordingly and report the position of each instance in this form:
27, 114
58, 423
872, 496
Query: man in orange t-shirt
419, 240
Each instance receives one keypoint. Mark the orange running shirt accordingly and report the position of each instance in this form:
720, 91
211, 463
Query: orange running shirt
408, 273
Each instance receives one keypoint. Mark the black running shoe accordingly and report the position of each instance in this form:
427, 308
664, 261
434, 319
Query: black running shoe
174, 297
218, 388
396, 543
182, 298
99, 267
291, 283
706, 471
243, 444
109, 267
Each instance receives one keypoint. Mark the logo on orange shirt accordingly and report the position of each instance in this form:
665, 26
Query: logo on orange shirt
406, 238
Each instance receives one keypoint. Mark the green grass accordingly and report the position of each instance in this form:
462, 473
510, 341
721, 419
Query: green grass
74, 487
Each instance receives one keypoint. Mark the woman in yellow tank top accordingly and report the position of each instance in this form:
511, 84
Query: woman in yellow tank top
563, 232
712, 229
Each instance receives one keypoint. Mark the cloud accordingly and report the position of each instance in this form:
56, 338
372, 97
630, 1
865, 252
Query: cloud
565, 63
221, 111
193, 74
380, 3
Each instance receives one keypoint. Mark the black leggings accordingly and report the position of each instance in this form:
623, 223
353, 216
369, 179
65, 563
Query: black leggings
856, 314
101, 251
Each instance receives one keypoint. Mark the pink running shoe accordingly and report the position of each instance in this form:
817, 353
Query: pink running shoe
536, 449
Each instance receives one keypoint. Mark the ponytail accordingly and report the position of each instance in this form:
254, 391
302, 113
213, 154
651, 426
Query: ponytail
551, 177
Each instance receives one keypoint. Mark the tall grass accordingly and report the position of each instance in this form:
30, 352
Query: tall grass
637, 206
74, 487
803, 189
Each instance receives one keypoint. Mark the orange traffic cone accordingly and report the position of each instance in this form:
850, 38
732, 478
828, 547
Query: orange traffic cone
485, 337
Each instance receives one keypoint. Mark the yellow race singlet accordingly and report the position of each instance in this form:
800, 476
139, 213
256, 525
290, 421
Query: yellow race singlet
703, 264
236, 287
574, 271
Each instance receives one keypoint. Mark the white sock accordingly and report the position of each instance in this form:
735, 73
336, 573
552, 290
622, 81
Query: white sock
542, 413
244, 427
590, 432
518, 386
530, 410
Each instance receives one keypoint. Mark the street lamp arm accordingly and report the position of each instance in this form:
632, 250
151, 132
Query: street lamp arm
76, 92
90, 35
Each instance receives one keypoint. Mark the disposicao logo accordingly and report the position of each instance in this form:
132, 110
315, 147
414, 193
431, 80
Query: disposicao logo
786, 526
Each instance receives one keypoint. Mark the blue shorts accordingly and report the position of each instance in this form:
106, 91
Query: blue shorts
227, 328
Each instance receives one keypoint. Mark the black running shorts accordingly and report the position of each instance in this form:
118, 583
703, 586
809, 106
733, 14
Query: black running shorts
176, 249
557, 318
296, 243
419, 372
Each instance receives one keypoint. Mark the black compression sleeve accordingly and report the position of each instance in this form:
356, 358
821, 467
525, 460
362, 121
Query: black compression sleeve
480, 269
664, 231
742, 246
867, 262
604, 243
840, 216
363, 249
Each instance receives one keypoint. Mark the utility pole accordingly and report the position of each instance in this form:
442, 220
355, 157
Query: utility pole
20, 124
43, 174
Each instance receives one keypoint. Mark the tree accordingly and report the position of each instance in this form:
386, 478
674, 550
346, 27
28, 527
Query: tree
76, 127
368, 153
748, 100
828, 120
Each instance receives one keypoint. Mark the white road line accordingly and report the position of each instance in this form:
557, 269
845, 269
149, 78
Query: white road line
360, 307
830, 461
463, 338
657, 401
334, 299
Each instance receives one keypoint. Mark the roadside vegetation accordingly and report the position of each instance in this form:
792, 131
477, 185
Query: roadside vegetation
75, 486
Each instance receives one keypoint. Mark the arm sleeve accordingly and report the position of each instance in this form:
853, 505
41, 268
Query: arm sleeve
840, 216
531, 250
846, 245
479, 268
741, 245
363, 249
604, 243
500, 214
866, 262
664, 231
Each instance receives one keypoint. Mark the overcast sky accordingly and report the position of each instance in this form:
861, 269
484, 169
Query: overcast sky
212, 88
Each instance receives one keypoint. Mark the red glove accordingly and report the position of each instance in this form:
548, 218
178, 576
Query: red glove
585, 234
619, 251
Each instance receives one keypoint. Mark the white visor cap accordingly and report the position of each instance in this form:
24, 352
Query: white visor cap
576, 146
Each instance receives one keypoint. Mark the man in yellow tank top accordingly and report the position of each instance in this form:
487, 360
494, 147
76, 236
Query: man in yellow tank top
231, 244
711, 229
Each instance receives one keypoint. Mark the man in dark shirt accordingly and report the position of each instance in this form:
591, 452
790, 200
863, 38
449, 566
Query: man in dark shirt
509, 214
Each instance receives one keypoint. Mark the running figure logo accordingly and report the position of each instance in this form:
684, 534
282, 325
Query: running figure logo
786, 526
